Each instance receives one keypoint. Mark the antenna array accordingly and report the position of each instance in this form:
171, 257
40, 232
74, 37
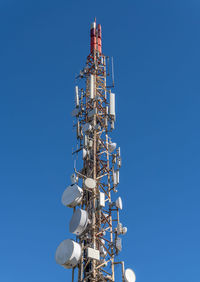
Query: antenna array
95, 220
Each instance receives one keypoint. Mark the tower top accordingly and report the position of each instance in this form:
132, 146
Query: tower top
95, 38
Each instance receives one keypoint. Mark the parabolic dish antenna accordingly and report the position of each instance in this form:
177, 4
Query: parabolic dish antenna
68, 253
72, 196
90, 183
129, 275
78, 222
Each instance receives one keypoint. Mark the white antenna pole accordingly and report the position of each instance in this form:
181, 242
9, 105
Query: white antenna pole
113, 79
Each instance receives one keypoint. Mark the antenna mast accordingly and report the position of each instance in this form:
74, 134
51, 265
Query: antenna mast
95, 220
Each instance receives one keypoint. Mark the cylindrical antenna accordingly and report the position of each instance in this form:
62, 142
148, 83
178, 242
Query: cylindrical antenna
113, 79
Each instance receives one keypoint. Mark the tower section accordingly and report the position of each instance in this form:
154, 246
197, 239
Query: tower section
92, 195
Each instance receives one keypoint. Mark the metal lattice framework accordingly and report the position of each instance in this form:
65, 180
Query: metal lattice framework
94, 114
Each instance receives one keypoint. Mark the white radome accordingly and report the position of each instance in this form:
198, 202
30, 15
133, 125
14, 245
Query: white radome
79, 222
68, 253
118, 203
90, 183
124, 230
129, 275
84, 153
72, 196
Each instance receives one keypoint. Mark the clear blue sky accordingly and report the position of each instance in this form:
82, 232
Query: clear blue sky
156, 49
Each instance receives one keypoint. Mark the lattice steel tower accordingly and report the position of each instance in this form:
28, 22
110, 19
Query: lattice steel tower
95, 220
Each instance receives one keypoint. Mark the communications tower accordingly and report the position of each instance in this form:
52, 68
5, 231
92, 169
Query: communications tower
92, 195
